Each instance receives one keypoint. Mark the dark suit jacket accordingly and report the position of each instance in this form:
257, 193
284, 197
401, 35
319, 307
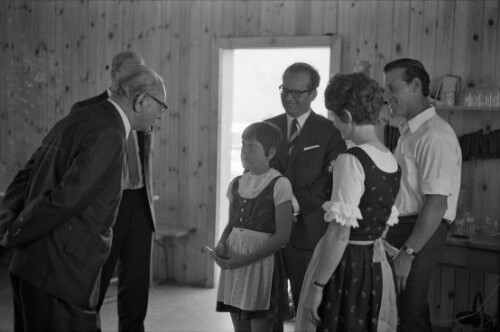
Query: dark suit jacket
318, 144
146, 150
67, 199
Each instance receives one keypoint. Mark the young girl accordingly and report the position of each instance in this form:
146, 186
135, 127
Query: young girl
349, 284
252, 285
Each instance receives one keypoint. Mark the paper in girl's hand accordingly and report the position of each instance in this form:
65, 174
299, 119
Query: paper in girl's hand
218, 255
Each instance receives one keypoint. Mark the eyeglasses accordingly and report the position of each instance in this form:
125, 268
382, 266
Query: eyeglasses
163, 107
295, 93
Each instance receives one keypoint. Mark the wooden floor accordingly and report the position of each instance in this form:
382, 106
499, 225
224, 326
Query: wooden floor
172, 308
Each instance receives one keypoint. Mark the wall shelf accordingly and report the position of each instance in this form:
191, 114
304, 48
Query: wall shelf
466, 108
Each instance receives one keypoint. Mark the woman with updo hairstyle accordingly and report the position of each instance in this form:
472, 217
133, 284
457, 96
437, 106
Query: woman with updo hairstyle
349, 285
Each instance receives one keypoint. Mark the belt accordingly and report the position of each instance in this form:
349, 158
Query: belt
139, 188
412, 218
407, 219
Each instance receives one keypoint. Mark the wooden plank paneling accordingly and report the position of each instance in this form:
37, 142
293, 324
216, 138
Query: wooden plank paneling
273, 14
461, 296
303, 18
207, 134
444, 39
197, 183
401, 30
188, 121
429, 36
489, 44
330, 17
459, 57
447, 295
415, 33
475, 14
367, 34
345, 21
383, 43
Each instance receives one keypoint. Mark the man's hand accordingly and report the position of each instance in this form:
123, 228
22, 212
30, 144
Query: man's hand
401, 268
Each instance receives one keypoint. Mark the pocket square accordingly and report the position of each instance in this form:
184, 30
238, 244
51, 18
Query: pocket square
311, 147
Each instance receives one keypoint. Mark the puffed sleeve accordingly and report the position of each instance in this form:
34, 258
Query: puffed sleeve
282, 191
229, 193
348, 187
393, 218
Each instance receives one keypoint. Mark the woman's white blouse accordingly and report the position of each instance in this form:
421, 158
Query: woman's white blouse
348, 186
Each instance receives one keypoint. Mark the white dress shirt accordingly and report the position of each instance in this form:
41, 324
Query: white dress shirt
430, 158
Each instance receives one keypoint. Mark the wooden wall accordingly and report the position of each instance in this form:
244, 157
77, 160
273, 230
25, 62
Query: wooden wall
54, 53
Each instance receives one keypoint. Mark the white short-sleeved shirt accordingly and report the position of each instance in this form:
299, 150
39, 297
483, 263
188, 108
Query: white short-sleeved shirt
251, 185
348, 186
430, 158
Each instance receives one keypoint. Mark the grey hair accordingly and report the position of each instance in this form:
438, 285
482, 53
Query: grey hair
140, 79
122, 61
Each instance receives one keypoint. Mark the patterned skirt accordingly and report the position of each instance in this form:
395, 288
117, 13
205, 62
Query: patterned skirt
360, 287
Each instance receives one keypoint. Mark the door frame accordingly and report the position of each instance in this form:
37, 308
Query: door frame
222, 52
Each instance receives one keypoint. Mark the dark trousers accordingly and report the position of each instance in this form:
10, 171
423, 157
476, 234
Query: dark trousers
37, 310
131, 249
296, 262
413, 306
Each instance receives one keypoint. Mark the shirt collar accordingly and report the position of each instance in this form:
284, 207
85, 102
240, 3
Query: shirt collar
301, 119
126, 123
414, 123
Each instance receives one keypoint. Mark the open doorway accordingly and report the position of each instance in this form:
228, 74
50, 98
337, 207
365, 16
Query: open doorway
249, 74
257, 74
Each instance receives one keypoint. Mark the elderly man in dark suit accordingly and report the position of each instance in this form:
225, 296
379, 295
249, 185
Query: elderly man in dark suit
58, 212
135, 223
310, 145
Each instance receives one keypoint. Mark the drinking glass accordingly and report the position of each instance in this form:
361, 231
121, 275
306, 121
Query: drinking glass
490, 226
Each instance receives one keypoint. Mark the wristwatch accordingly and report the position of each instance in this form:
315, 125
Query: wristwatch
409, 251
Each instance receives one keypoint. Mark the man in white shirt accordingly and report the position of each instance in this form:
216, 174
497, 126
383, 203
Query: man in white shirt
429, 155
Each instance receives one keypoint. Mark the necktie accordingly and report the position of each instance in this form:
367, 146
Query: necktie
294, 135
132, 161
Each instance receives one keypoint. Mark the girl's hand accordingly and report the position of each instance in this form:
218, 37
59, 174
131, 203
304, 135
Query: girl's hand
232, 261
311, 304
220, 249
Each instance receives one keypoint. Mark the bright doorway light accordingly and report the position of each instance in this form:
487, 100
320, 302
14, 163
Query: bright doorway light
255, 96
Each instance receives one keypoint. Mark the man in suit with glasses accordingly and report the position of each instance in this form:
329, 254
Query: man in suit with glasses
309, 146
59, 210
135, 222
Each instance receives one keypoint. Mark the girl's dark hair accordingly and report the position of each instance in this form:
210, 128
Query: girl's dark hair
412, 69
358, 94
265, 133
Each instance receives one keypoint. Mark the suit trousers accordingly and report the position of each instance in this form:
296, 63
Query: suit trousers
36, 310
296, 262
413, 306
131, 249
